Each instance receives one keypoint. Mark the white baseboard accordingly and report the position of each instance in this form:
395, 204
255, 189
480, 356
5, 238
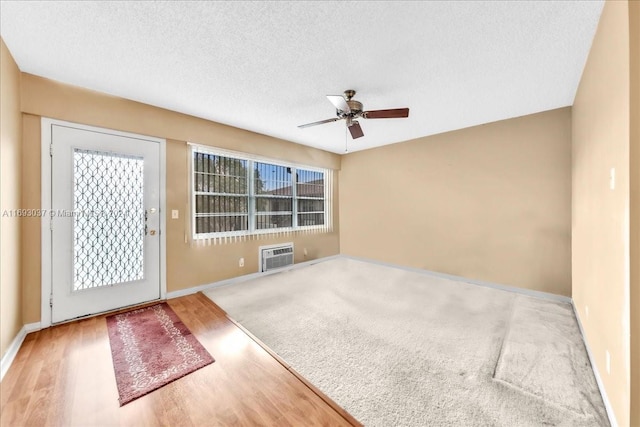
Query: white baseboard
596, 373
239, 279
12, 351
32, 327
244, 278
528, 292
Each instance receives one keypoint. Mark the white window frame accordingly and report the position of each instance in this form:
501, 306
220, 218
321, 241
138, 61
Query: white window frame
251, 160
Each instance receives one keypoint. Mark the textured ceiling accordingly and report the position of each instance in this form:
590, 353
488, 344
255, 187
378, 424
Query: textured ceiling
267, 66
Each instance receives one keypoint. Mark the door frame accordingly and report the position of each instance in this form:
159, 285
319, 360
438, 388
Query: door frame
45, 224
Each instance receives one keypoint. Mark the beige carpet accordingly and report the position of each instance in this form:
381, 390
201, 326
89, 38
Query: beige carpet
398, 348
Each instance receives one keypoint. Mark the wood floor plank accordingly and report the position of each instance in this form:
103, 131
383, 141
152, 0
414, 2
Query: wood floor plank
64, 375
13, 412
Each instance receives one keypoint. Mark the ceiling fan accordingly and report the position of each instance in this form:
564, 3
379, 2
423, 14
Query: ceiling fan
349, 109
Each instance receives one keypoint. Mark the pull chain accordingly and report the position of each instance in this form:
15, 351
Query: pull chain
346, 149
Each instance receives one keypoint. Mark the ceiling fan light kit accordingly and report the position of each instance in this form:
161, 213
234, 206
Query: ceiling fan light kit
348, 109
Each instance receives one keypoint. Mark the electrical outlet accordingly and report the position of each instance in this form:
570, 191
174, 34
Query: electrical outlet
608, 362
175, 214
241, 262
305, 251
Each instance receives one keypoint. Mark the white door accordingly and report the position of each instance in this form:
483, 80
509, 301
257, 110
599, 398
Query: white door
105, 200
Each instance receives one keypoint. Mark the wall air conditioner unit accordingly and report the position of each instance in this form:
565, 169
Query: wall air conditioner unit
273, 257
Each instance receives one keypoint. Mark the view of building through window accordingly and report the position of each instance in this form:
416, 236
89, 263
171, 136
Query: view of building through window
236, 196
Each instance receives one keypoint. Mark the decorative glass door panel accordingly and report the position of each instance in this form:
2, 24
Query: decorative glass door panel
108, 230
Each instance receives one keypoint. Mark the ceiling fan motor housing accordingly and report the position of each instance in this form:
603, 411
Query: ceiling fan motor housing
354, 106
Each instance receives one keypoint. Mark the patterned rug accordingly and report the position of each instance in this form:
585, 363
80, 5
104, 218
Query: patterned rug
151, 347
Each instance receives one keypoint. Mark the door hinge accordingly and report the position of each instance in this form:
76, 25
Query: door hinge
51, 301
51, 150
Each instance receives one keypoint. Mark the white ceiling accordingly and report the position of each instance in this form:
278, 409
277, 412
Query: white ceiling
267, 66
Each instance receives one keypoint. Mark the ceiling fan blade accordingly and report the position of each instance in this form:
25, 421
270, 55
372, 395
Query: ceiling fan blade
355, 130
396, 113
339, 102
321, 122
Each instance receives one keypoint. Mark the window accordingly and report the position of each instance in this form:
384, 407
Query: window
237, 195
310, 197
273, 186
221, 194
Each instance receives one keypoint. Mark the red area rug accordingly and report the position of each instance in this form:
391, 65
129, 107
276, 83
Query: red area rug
151, 347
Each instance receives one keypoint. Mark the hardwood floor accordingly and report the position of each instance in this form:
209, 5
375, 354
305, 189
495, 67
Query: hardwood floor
63, 376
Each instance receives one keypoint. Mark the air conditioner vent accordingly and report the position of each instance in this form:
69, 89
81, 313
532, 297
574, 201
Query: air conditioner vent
275, 257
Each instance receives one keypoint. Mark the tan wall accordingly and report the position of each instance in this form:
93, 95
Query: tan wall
10, 160
490, 202
600, 215
187, 265
634, 165
31, 232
